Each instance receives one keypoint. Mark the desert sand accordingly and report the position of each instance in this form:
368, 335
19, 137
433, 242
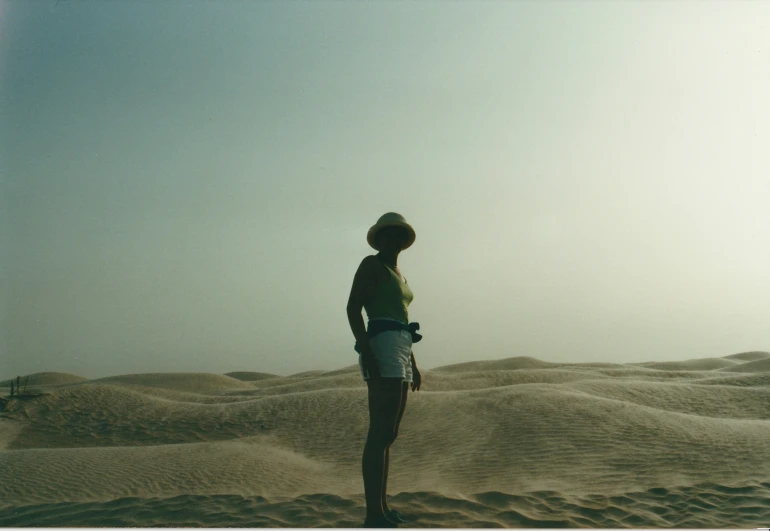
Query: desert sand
517, 442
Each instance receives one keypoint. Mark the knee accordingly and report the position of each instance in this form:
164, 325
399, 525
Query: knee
383, 438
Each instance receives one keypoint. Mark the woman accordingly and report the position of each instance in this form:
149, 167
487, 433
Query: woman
386, 359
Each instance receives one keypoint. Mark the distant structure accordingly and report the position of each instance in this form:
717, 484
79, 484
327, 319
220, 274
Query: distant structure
16, 389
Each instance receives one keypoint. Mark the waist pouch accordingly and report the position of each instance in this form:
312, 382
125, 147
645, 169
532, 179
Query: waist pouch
378, 325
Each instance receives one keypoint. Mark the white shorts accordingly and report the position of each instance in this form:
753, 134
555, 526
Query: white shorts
393, 350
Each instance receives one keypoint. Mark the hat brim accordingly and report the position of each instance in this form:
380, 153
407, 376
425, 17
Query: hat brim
372, 234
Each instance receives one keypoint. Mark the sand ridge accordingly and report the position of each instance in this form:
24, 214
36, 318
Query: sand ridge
248, 376
705, 505
761, 365
749, 356
201, 383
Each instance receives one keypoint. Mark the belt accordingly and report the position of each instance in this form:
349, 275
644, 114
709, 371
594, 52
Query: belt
381, 325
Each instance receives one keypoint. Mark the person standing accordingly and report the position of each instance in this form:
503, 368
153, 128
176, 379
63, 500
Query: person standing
386, 359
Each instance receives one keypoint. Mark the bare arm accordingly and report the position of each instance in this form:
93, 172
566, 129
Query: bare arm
358, 327
362, 284
416, 376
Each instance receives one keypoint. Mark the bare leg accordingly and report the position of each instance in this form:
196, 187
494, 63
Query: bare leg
373, 464
385, 507
384, 405
404, 393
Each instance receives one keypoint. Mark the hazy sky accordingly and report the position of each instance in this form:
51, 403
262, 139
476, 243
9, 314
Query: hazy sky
187, 185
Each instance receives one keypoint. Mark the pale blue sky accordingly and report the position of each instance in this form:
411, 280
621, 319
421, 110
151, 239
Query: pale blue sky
187, 185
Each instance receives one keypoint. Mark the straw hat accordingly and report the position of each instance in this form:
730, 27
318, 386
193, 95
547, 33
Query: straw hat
391, 219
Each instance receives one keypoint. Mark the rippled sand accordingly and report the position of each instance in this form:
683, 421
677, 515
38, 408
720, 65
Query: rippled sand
517, 442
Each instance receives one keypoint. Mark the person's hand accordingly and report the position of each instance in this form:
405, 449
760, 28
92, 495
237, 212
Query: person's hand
369, 361
416, 379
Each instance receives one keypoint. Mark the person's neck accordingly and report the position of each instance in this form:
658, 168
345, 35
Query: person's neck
390, 259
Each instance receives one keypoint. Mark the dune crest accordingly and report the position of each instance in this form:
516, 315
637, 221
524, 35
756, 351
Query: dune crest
251, 376
515, 363
191, 382
750, 356
759, 365
701, 364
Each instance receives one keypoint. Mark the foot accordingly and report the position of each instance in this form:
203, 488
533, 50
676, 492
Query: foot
395, 516
380, 522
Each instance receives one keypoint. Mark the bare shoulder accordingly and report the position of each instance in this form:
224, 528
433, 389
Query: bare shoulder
363, 282
373, 270
377, 271
367, 264
365, 273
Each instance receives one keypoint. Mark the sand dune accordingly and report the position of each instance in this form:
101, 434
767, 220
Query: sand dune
519, 362
306, 374
761, 379
500, 443
190, 382
703, 364
251, 376
762, 365
749, 356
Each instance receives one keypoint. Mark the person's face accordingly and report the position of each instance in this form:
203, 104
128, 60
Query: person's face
392, 238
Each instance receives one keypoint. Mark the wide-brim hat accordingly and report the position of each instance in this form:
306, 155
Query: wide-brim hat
391, 219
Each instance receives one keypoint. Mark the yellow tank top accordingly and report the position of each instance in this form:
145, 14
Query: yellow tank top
389, 298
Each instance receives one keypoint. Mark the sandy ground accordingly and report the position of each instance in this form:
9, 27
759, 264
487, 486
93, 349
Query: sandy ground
517, 442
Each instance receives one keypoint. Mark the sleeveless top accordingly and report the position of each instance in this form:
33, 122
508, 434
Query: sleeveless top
389, 299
